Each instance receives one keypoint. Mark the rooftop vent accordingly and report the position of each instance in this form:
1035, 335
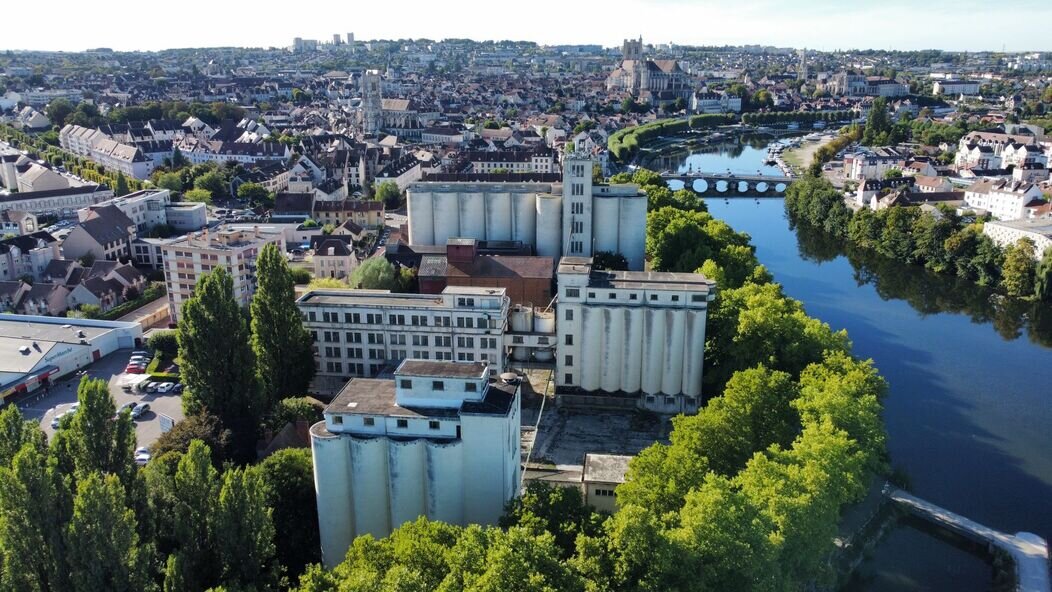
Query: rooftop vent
24, 350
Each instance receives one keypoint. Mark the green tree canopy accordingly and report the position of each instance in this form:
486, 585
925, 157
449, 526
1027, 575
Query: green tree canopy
376, 273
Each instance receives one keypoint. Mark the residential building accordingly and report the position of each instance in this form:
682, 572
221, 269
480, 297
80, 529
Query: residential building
573, 218
27, 255
511, 161
187, 258
631, 338
955, 87
1009, 232
715, 102
440, 440
103, 233
362, 332
63, 202
366, 213
17, 223
1003, 199
334, 258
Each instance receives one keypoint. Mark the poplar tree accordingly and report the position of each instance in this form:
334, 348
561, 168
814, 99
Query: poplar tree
284, 358
104, 548
217, 361
243, 531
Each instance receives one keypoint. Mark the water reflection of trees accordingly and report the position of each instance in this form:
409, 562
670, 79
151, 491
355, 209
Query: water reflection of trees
930, 293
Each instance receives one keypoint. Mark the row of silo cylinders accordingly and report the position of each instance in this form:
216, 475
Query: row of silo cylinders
633, 349
619, 226
524, 318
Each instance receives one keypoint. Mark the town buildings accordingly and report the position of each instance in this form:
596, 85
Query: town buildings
1008, 232
188, 258
655, 79
440, 439
1003, 199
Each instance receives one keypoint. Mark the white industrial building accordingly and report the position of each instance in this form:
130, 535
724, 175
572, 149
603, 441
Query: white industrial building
573, 218
1009, 232
362, 332
441, 440
635, 336
36, 350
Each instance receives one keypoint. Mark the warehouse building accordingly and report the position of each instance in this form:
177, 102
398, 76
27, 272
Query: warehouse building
36, 350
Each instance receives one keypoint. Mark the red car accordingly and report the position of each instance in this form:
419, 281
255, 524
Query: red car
135, 369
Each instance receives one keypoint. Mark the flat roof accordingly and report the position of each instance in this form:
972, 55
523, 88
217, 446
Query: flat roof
605, 468
42, 335
442, 369
376, 396
1041, 225
634, 279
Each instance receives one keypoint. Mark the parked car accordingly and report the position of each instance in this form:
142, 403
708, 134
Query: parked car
178, 388
135, 369
142, 455
165, 387
129, 405
141, 352
151, 387
139, 410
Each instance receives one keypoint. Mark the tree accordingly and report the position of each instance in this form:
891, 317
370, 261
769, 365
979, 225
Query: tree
288, 480
171, 181
212, 182
388, 193
122, 185
58, 110
252, 193
193, 494
203, 427
1042, 280
243, 531
104, 548
375, 273
15, 432
558, 510
282, 347
1017, 277
163, 342
198, 195
93, 442
218, 364
878, 122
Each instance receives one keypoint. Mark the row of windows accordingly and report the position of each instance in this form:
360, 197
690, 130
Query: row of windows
576, 293
401, 423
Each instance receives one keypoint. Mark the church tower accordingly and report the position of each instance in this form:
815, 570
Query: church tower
372, 102
632, 49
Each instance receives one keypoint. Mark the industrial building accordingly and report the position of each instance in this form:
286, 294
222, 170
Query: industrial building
36, 350
631, 338
363, 332
574, 218
441, 440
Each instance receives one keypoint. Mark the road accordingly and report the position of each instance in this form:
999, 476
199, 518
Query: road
42, 406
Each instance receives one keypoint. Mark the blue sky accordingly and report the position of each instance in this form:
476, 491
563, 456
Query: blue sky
970, 25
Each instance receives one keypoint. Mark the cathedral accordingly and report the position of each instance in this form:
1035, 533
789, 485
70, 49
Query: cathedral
394, 116
651, 80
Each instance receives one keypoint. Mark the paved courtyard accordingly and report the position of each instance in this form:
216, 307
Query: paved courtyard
43, 405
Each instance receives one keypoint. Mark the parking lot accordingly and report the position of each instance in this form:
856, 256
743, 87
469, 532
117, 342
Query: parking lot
42, 405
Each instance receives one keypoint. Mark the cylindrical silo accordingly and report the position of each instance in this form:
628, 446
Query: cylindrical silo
544, 322
632, 235
591, 348
548, 241
653, 349
332, 480
407, 475
472, 214
421, 214
632, 367
605, 221
369, 495
498, 216
524, 217
672, 381
694, 353
447, 216
445, 483
613, 346
520, 319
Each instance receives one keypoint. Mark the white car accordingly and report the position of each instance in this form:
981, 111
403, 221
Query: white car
142, 455
165, 387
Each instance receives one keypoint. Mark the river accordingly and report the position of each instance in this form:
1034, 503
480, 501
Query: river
969, 414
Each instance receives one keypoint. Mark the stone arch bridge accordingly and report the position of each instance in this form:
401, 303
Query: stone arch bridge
729, 184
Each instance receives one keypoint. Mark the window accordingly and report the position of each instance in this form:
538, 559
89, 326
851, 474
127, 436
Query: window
406, 383
438, 385
633, 296
670, 400
573, 292
675, 297
337, 419
569, 339
611, 296
432, 425
650, 398
569, 314
697, 298
368, 421
653, 296
470, 387
403, 423
568, 361
568, 379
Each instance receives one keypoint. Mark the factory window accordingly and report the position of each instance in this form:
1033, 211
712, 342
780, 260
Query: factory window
433, 425
653, 296
406, 383
591, 294
568, 379
569, 314
633, 296
697, 298
403, 423
368, 421
670, 400
438, 385
650, 398
311, 316
569, 339
337, 419
471, 387
611, 295
675, 298
569, 360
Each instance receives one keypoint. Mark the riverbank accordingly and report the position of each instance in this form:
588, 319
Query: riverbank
800, 157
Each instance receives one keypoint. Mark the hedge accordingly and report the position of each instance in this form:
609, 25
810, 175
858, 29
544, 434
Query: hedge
152, 292
625, 143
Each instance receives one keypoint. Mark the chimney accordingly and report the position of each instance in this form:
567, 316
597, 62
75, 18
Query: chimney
303, 431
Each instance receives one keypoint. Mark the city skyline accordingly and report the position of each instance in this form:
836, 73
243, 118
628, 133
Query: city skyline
817, 24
